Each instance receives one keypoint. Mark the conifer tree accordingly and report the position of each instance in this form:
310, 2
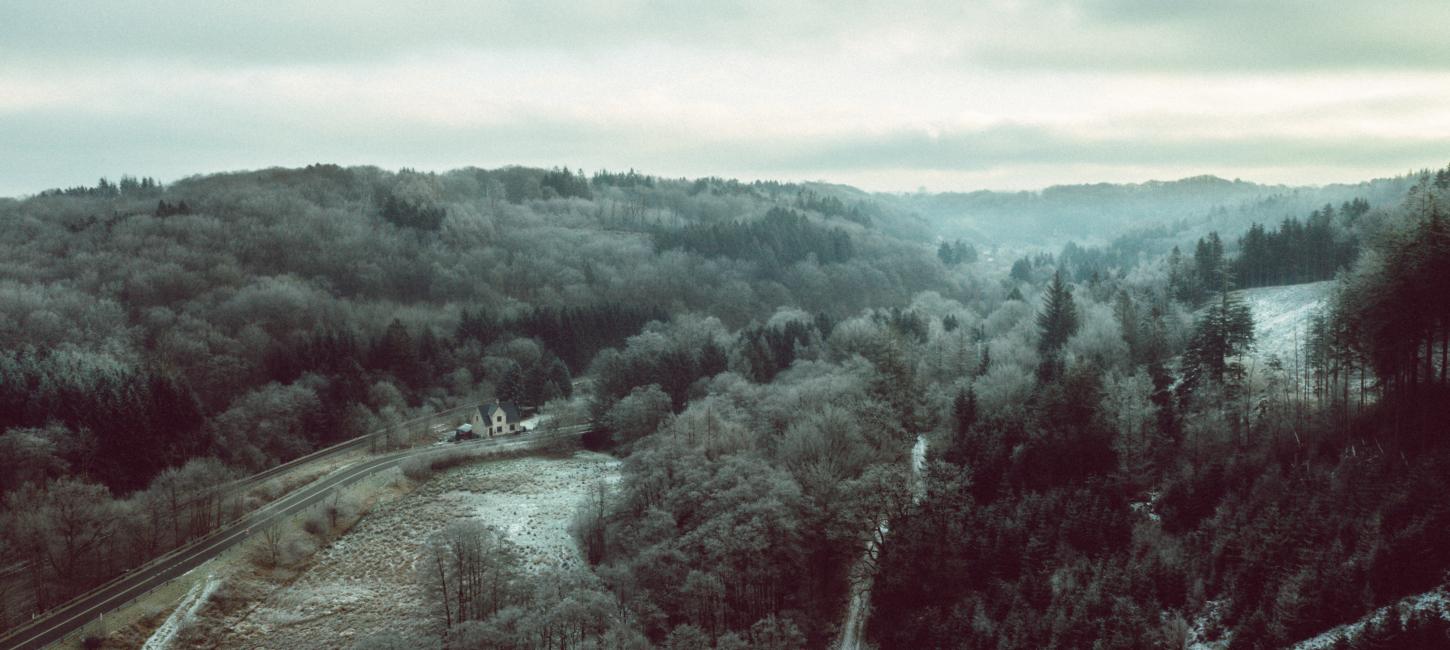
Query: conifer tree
1057, 323
1225, 330
964, 411
1058, 320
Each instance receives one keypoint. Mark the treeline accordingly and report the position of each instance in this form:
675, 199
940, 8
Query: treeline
957, 252
1392, 316
1298, 252
71, 535
859, 211
406, 213
1103, 210
782, 237
484, 596
128, 187
118, 425
575, 334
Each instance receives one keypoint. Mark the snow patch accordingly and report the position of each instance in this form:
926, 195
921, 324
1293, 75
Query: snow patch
1281, 318
1145, 508
365, 583
1210, 619
185, 613
533, 502
918, 469
1430, 602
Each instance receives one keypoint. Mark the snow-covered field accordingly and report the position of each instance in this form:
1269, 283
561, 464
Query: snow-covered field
1281, 318
364, 583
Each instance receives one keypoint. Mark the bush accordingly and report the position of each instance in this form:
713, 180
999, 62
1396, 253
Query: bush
417, 468
316, 525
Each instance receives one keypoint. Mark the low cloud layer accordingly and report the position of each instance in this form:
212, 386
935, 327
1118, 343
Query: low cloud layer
997, 94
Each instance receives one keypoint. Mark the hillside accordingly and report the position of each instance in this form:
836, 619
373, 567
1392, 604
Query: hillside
1282, 318
1187, 208
765, 360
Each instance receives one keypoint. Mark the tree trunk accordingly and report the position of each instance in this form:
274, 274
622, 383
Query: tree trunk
1444, 350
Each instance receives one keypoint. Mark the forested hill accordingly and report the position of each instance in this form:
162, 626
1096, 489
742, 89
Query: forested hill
253, 316
1102, 210
1108, 465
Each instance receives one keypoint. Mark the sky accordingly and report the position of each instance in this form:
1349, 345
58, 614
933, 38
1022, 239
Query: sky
949, 96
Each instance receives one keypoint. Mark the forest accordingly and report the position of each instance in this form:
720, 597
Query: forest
1107, 463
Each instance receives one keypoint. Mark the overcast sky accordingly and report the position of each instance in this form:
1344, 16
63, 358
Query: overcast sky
952, 96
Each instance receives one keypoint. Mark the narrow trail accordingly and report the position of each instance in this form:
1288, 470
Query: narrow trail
861, 580
186, 610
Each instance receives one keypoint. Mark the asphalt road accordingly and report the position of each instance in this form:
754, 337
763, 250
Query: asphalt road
255, 479
60, 622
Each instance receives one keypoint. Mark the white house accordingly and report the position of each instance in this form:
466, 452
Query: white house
495, 419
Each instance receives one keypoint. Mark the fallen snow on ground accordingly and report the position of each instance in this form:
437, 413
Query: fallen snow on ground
533, 504
1437, 602
532, 422
1209, 620
1146, 507
185, 612
918, 469
364, 583
1281, 318
862, 578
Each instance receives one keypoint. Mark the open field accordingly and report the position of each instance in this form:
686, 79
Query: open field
364, 582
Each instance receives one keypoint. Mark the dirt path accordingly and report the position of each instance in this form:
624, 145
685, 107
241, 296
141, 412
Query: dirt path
861, 592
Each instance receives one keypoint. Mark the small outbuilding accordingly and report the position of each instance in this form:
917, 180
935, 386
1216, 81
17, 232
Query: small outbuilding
464, 432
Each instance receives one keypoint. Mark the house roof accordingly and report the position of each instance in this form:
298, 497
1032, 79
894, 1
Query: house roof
510, 412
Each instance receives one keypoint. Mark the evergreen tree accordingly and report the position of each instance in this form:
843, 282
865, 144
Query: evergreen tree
964, 411
1180, 278
1057, 323
1208, 265
1021, 270
1224, 331
1058, 320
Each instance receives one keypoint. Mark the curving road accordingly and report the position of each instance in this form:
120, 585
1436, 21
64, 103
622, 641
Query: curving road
62, 621
246, 482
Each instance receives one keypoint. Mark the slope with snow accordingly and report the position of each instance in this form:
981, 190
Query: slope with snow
1435, 602
1281, 319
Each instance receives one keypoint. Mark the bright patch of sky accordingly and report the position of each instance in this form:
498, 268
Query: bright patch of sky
1006, 94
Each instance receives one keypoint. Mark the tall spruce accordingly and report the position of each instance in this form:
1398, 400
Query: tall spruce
1058, 320
1225, 330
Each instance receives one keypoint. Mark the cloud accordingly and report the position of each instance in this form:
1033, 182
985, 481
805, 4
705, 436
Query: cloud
1010, 93
1217, 37
1141, 35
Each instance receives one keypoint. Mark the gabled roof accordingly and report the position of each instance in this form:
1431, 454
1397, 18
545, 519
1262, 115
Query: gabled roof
510, 413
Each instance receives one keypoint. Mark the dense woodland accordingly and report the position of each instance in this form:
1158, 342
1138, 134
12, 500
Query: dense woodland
246, 319
1105, 468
